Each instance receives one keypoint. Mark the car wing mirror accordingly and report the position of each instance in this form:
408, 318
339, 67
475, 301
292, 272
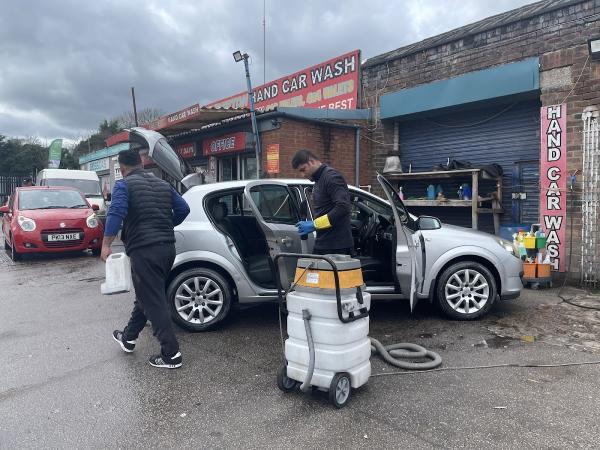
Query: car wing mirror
4, 209
95, 207
429, 223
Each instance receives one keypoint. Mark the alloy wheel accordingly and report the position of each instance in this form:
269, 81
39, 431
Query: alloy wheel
467, 291
199, 300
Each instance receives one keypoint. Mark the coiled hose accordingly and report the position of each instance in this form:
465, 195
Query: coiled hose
392, 353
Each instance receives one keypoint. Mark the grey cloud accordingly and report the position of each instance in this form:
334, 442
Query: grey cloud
67, 65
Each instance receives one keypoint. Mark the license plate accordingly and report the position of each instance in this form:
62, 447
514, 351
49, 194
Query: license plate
63, 237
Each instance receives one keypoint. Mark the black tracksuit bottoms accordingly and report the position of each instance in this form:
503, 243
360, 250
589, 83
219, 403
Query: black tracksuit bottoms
150, 267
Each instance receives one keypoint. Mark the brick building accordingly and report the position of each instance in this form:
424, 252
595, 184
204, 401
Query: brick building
224, 151
481, 94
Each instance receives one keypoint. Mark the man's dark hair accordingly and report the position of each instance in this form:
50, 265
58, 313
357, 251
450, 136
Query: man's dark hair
302, 157
130, 158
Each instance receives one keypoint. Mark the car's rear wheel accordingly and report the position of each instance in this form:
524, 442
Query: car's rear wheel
466, 290
199, 299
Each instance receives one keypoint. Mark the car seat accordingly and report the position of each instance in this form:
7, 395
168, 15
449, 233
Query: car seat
258, 265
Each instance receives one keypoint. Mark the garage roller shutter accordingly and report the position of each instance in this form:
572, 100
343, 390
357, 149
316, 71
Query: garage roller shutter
503, 134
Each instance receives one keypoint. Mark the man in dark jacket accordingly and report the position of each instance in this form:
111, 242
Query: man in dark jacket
331, 206
148, 208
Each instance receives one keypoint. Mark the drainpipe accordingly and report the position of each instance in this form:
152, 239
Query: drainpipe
357, 158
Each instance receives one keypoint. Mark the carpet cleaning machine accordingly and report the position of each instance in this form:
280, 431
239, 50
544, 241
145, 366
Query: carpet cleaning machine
328, 347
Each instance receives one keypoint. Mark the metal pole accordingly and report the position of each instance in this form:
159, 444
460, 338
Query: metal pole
134, 107
253, 118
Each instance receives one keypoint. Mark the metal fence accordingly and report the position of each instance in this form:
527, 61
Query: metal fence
590, 211
8, 185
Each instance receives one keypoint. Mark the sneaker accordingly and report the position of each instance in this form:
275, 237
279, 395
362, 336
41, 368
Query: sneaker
127, 346
166, 363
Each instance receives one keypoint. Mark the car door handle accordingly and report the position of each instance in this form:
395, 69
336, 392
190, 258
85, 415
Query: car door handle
287, 241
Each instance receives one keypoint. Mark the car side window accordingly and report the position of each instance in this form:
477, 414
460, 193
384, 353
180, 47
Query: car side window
275, 204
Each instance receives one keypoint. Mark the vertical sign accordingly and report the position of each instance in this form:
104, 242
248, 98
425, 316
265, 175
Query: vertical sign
54, 154
553, 180
273, 158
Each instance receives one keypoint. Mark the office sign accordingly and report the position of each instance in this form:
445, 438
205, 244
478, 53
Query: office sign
332, 84
228, 143
553, 182
273, 158
98, 165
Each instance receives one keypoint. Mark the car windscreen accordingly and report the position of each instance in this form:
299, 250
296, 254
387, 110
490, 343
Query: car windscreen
51, 199
88, 187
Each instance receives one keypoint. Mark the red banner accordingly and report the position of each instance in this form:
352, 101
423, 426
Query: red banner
187, 150
553, 182
229, 143
331, 84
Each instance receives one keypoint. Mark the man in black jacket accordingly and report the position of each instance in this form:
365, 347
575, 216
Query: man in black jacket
148, 208
331, 206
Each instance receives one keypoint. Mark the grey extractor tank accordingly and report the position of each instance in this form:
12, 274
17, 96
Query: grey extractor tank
334, 322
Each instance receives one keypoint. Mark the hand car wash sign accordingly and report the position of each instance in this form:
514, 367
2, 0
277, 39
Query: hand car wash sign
553, 175
332, 84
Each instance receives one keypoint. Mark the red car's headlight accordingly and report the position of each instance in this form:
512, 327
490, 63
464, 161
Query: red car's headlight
26, 223
92, 221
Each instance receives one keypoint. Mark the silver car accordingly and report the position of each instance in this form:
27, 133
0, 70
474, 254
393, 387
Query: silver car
226, 246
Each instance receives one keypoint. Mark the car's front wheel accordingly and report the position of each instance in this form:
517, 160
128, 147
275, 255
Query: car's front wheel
199, 299
466, 290
14, 253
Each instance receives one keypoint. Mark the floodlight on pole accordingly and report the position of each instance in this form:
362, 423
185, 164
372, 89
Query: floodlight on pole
239, 56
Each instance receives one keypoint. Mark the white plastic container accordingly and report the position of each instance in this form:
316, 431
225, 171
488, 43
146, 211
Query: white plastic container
118, 274
339, 347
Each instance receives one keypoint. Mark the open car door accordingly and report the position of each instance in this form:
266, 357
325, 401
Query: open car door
409, 263
276, 212
163, 155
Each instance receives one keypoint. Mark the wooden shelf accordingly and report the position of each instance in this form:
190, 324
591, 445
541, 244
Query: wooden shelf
451, 202
397, 176
475, 203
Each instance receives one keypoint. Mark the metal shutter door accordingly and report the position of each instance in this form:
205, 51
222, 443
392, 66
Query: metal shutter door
501, 134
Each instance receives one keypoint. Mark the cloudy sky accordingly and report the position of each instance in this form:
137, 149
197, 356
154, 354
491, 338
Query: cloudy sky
66, 65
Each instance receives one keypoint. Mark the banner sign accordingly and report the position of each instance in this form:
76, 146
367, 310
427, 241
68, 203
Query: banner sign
54, 154
187, 150
553, 182
273, 158
332, 84
98, 165
229, 143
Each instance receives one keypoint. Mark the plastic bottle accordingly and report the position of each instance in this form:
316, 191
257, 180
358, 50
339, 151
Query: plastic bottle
460, 192
431, 192
400, 193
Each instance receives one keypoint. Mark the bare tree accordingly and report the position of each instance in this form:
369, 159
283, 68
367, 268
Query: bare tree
127, 119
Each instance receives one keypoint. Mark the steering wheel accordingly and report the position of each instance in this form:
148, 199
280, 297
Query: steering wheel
369, 230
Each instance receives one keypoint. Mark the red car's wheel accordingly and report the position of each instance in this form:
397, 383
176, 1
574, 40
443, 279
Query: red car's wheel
14, 254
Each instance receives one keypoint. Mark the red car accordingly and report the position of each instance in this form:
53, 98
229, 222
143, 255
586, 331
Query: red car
45, 219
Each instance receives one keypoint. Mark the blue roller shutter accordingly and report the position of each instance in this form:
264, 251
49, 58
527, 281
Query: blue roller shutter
504, 134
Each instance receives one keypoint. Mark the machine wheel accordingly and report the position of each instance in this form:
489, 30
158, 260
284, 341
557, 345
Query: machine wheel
466, 291
199, 299
285, 383
340, 390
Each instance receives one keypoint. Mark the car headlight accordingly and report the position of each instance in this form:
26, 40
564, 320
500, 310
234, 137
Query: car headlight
92, 221
26, 223
508, 246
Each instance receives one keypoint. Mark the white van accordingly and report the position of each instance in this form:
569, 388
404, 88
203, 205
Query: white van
86, 181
